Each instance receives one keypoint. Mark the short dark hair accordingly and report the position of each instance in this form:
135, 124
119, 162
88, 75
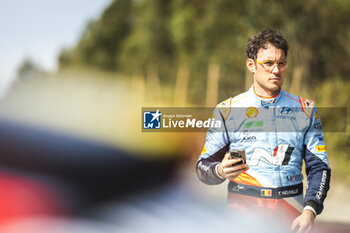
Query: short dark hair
261, 41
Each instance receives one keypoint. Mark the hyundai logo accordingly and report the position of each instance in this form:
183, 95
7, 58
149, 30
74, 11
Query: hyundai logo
285, 110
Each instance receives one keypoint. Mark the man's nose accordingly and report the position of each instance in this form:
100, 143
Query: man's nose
275, 69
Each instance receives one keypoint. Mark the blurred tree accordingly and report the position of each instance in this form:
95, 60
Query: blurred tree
65, 58
101, 41
28, 69
148, 48
221, 48
185, 24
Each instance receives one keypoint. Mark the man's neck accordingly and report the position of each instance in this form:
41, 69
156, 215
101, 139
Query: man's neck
265, 93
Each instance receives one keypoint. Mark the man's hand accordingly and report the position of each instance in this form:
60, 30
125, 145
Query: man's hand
228, 170
304, 222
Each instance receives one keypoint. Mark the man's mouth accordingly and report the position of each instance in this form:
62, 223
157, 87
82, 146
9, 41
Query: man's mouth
275, 78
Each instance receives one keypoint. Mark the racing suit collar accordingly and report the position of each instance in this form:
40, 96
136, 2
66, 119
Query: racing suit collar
264, 101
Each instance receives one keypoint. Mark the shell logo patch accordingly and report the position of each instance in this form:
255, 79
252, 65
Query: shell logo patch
251, 112
321, 148
204, 150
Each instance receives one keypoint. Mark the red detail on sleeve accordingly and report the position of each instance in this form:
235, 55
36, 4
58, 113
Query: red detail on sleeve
275, 151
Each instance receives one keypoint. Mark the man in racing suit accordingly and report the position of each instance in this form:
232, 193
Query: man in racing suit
277, 131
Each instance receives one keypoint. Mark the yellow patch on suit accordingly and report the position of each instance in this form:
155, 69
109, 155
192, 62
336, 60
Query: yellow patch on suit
321, 148
225, 108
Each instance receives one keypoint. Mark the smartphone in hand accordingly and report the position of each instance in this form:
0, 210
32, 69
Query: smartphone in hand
240, 154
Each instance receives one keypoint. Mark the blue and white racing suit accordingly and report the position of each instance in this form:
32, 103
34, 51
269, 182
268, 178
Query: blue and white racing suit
277, 134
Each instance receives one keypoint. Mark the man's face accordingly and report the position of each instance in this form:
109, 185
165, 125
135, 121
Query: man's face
268, 79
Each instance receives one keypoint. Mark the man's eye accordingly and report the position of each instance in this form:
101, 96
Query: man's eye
268, 63
281, 63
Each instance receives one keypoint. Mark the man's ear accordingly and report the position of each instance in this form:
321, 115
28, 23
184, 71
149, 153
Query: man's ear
250, 65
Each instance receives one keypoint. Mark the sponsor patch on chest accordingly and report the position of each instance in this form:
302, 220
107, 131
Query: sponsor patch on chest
307, 106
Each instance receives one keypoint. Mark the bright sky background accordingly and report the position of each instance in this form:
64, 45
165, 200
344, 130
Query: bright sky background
39, 29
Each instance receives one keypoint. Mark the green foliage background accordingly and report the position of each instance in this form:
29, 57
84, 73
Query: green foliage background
132, 37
